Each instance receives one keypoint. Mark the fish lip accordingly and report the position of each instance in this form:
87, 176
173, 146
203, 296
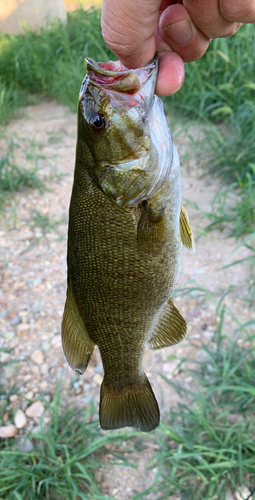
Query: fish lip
90, 64
123, 80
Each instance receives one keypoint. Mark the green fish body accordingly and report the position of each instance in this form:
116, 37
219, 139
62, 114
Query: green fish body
126, 229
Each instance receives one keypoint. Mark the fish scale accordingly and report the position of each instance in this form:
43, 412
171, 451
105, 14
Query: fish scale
123, 255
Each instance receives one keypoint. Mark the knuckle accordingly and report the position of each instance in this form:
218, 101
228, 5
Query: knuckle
196, 51
234, 11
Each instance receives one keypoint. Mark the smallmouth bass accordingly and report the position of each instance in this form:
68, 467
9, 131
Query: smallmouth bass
126, 229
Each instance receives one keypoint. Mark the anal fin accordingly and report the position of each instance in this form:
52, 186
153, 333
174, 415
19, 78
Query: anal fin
186, 232
77, 345
170, 330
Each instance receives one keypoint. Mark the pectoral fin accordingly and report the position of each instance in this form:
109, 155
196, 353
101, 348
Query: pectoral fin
151, 231
170, 330
77, 344
186, 232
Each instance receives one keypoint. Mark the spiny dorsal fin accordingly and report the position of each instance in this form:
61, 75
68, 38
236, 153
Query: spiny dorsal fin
186, 232
170, 330
77, 344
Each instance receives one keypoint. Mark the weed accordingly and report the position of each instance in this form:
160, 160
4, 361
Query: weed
233, 207
66, 454
208, 446
49, 61
220, 88
46, 225
219, 83
15, 174
249, 244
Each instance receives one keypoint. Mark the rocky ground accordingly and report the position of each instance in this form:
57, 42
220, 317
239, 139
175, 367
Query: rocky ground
33, 286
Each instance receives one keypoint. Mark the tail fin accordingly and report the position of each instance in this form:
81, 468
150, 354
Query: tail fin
132, 406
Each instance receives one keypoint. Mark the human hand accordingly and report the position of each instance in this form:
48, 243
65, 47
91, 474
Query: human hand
135, 29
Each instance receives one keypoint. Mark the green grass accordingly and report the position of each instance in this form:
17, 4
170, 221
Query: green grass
207, 445
49, 61
66, 454
218, 88
16, 173
47, 225
248, 243
228, 152
219, 83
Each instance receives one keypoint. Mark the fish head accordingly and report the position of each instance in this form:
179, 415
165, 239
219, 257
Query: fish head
114, 120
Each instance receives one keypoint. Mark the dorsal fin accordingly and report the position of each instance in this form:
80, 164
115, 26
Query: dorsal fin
186, 232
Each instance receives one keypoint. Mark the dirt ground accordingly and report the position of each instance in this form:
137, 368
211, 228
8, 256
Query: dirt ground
33, 287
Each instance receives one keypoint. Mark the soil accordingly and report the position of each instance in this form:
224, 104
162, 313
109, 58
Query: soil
33, 287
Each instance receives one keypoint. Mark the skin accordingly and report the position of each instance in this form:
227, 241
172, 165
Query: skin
180, 32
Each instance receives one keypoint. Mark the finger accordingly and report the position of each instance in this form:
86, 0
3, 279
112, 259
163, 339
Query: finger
128, 29
170, 74
238, 10
208, 19
178, 33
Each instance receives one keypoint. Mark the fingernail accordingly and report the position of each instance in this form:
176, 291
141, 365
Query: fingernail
180, 33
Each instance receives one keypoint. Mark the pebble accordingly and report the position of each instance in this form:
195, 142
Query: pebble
22, 327
99, 369
20, 419
98, 378
24, 445
35, 410
3, 356
9, 335
10, 370
208, 334
56, 341
244, 492
86, 387
13, 397
45, 369
229, 495
29, 395
15, 321
196, 342
169, 367
44, 385
37, 306
3, 313
36, 429
7, 431
45, 346
37, 357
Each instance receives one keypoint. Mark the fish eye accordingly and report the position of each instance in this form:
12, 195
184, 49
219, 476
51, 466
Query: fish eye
97, 122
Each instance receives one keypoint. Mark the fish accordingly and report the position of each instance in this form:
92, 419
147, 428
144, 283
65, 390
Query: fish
126, 229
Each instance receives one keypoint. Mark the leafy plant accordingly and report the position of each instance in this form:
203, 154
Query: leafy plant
49, 61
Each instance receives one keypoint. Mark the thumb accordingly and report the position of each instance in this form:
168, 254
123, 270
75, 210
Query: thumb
128, 29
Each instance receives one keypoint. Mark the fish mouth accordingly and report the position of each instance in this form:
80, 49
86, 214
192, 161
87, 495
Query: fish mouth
112, 75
